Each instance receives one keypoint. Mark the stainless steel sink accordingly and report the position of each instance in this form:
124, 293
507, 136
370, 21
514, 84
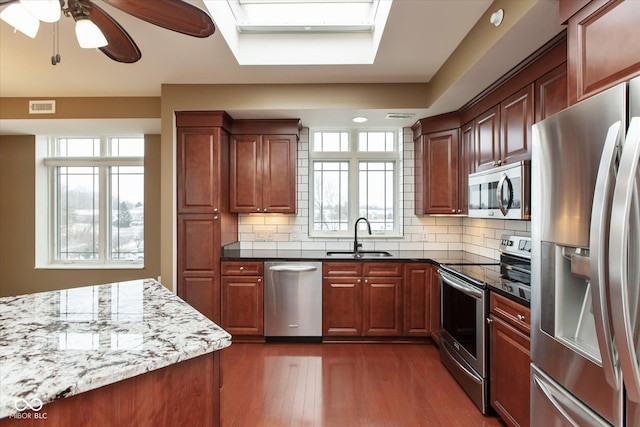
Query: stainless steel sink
359, 254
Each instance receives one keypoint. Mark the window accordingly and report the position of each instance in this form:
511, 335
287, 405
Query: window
95, 193
351, 180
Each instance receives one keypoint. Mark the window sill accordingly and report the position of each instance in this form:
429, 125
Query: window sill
82, 266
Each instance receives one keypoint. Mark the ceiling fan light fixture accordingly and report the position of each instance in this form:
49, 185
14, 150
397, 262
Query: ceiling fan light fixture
19, 18
88, 34
44, 10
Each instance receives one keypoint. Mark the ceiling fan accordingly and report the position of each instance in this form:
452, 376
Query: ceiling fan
175, 15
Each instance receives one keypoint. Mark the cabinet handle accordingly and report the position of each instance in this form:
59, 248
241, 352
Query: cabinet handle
258, 210
215, 217
241, 268
215, 209
359, 280
453, 211
264, 210
521, 317
259, 280
489, 320
459, 210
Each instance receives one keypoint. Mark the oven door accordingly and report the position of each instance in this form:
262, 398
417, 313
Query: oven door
463, 312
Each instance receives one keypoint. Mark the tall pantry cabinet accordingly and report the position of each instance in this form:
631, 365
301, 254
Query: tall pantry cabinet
204, 222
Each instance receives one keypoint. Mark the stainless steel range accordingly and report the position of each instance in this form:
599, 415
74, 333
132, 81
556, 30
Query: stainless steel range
464, 306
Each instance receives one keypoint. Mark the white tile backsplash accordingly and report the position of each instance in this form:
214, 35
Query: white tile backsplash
290, 232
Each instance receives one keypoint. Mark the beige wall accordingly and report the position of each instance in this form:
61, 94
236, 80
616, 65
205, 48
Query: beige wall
17, 224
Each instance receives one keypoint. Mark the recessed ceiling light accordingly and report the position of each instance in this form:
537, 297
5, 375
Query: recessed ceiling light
360, 119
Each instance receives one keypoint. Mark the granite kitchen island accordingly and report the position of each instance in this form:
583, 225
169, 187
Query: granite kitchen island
126, 353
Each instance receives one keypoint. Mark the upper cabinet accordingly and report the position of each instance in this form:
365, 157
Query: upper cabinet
551, 93
438, 169
602, 45
263, 166
503, 133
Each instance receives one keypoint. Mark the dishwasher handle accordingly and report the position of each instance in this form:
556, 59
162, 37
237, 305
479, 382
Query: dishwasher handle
293, 268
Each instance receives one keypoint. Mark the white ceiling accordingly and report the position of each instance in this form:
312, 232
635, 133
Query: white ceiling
418, 38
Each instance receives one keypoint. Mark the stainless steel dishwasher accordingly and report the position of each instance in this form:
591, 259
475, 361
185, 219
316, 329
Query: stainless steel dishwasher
293, 301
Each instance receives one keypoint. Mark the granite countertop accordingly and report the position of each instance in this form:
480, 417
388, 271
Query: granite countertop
234, 253
61, 343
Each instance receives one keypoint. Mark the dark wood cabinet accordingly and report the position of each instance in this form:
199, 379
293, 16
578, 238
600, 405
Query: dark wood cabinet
503, 133
243, 298
602, 40
467, 163
342, 299
487, 139
516, 118
551, 93
263, 166
435, 305
441, 168
438, 166
361, 299
417, 299
510, 357
204, 223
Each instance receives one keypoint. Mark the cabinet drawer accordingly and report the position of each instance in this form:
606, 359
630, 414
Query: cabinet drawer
341, 269
513, 313
242, 268
382, 269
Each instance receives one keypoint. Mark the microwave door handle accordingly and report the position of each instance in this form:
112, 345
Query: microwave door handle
598, 255
503, 208
625, 203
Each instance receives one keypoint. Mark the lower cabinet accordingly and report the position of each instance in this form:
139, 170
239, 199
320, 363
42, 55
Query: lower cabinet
510, 357
417, 299
242, 296
361, 299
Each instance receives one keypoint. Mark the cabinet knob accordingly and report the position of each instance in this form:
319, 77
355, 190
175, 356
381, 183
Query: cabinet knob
521, 317
259, 280
215, 209
499, 162
258, 210
489, 320
453, 211
459, 210
359, 280
241, 268
215, 217
264, 210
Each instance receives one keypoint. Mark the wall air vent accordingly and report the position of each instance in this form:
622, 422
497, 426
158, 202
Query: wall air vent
399, 115
42, 107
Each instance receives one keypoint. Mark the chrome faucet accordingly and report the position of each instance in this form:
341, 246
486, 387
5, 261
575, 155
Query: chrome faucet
356, 245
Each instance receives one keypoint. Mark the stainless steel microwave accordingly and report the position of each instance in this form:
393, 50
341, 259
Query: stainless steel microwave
501, 193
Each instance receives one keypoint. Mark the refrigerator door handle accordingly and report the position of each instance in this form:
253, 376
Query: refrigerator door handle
598, 255
624, 196
556, 405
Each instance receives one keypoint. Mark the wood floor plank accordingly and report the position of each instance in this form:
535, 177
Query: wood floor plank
342, 385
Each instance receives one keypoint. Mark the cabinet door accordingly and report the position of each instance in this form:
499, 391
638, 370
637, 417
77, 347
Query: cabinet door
435, 304
198, 170
243, 305
342, 306
602, 44
417, 300
551, 93
441, 172
516, 118
382, 306
467, 164
279, 173
198, 257
487, 151
246, 174
509, 371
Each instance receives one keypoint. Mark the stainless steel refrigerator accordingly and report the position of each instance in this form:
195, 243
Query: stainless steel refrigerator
585, 267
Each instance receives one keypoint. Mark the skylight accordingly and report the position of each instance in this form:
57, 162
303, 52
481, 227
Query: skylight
302, 32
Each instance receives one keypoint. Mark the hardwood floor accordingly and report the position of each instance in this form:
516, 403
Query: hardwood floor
344, 385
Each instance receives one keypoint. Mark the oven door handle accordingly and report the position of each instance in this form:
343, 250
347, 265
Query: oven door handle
460, 285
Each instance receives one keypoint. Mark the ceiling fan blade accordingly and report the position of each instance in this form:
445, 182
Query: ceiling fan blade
121, 46
175, 15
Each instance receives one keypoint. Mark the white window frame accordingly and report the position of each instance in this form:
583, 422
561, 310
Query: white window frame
353, 156
46, 162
